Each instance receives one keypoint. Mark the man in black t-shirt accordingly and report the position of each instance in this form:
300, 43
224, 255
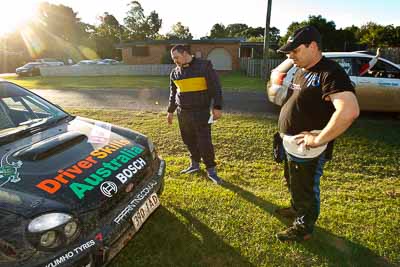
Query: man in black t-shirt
320, 106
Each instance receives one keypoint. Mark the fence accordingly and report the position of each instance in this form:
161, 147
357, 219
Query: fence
391, 53
107, 70
258, 67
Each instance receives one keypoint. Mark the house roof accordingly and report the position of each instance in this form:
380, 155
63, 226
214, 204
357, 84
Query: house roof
174, 42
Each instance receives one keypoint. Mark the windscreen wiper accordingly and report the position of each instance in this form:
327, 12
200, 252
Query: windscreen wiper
31, 130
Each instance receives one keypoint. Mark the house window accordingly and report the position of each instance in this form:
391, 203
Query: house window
140, 51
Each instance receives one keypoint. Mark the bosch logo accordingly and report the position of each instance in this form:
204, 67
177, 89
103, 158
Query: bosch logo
108, 189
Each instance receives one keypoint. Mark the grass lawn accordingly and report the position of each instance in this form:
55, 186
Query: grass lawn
201, 224
232, 81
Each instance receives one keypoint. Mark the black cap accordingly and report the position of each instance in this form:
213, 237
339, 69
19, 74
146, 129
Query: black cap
301, 36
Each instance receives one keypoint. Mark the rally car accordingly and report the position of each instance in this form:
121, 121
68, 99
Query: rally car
73, 190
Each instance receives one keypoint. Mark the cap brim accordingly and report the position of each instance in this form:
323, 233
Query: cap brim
288, 47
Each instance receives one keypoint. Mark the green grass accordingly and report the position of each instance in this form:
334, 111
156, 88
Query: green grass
232, 81
201, 224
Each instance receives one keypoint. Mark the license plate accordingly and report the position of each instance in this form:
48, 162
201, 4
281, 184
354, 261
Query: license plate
145, 210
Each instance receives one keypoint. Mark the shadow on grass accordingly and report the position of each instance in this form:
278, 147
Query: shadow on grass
167, 240
337, 250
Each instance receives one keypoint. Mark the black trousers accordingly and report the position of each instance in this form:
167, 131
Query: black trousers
303, 178
196, 134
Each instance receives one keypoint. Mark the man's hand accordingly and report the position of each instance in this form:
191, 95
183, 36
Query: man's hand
217, 113
170, 116
308, 139
378, 52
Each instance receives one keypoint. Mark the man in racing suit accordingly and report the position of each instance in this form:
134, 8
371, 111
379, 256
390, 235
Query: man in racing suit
194, 87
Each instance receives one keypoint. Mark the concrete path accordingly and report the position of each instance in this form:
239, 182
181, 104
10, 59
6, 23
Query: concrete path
149, 100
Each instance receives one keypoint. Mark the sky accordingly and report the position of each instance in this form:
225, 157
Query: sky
200, 16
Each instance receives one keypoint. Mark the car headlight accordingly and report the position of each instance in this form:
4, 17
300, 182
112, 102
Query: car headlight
52, 230
48, 239
70, 229
48, 221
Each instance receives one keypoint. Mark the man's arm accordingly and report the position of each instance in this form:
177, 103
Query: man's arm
346, 111
172, 104
371, 63
213, 83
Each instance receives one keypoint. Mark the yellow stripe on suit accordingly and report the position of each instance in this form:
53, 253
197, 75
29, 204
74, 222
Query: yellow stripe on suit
191, 85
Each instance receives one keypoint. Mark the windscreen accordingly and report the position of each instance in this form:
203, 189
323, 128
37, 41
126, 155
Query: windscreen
20, 109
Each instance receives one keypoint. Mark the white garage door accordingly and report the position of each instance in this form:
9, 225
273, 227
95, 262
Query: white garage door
220, 58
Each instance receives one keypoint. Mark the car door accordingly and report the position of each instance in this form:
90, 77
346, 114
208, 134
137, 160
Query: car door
379, 88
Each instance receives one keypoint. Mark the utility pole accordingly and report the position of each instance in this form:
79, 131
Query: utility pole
266, 31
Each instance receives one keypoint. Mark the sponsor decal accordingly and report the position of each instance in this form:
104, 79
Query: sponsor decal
100, 133
135, 202
72, 253
387, 84
345, 65
9, 172
294, 86
312, 79
95, 169
109, 188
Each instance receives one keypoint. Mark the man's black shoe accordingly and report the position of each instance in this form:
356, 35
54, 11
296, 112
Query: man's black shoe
294, 233
190, 169
212, 175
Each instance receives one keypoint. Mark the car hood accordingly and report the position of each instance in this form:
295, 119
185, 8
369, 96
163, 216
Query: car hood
70, 166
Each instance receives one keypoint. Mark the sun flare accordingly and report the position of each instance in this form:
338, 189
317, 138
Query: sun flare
15, 13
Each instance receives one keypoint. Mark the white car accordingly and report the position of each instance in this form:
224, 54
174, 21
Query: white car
108, 61
87, 62
50, 61
377, 90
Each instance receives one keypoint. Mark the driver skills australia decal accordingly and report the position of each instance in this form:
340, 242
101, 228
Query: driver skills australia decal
95, 170
9, 170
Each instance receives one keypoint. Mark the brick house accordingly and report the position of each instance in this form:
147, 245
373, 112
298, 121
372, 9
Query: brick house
223, 53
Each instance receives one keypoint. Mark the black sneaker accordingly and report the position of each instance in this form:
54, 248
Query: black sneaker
288, 212
294, 233
190, 169
212, 175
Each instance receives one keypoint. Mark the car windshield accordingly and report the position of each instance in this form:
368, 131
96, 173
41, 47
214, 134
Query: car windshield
22, 111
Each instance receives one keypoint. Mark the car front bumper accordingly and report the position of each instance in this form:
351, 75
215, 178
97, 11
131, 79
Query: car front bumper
101, 245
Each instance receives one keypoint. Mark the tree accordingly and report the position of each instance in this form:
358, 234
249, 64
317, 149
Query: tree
179, 32
154, 25
326, 28
239, 30
371, 34
236, 29
106, 35
61, 21
140, 27
218, 30
57, 32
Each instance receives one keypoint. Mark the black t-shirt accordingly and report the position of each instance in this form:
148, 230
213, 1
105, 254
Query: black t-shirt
305, 108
